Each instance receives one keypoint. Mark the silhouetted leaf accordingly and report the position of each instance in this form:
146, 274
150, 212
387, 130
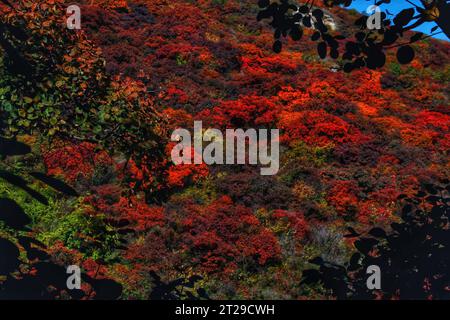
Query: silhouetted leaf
317, 13
354, 261
377, 233
404, 17
430, 188
322, 49
35, 252
348, 67
310, 276
304, 9
360, 36
316, 260
334, 53
365, 245
106, 289
22, 184
264, 14
307, 21
277, 46
12, 214
407, 209
416, 37
296, 33
390, 36
9, 254
10, 147
55, 184
263, 3
433, 199
352, 234
375, 58
315, 36
405, 54
202, 293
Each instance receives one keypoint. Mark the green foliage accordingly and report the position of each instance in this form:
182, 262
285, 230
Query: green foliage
442, 75
302, 156
395, 68
181, 61
51, 102
203, 192
310, 155
65, 91
219, 2
64, 220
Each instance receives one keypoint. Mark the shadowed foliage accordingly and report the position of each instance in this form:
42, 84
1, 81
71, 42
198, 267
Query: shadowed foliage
413, 256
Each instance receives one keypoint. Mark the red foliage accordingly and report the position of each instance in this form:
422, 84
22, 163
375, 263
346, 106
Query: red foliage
316, 128
343, 195
184, 174
141, 216
295, 220
223, 235
75, 161
384, 134
246, 111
